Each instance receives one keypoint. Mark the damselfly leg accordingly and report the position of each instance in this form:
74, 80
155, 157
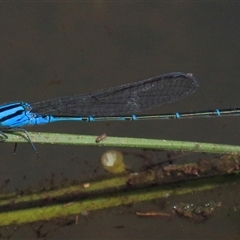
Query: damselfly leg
4, 137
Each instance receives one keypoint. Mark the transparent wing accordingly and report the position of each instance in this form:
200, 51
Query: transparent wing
125, 99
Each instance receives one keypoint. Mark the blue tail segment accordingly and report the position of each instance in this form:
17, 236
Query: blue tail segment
114, 104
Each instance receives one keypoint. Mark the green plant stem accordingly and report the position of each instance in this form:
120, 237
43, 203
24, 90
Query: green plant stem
85, 140
23, 216
156, 183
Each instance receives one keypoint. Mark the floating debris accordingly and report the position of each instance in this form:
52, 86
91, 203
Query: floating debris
112, 161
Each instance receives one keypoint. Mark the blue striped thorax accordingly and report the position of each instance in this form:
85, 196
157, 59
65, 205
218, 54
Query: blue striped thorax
13, 115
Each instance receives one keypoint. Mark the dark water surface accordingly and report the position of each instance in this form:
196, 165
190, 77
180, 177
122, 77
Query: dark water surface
55, 49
